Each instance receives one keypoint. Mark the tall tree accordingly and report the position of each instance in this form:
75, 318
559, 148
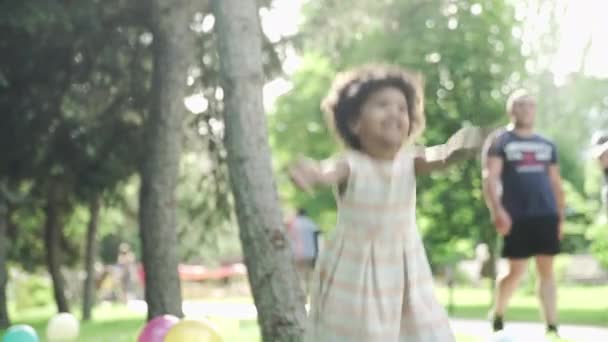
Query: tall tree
272, 276
169, 23
90, 253
55, 210
68, 117
4, 317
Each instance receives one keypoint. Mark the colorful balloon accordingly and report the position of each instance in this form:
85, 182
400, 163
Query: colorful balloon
156, 329
228, 328
20, 333
191, 330
63, 327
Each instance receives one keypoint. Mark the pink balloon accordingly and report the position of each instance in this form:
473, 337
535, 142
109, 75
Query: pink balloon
157, 328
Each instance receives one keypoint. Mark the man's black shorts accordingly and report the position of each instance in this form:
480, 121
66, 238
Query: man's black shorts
532, 236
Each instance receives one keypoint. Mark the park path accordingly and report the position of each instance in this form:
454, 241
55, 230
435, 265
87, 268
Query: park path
517, 331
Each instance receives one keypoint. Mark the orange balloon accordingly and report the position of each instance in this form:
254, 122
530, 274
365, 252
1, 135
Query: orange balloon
193, 330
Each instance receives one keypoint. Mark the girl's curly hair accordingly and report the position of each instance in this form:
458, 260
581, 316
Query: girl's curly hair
351, 89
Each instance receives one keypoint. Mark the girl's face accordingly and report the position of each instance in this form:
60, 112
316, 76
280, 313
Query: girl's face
383, 123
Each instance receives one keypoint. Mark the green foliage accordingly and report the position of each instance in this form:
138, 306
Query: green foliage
570, 114
207, 229
29, 290
470, 61
108, 248
598, 234
298, 126
27, 247
74, 93
72, 107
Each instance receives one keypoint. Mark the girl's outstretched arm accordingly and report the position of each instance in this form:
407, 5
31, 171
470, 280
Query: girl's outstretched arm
464, 144
308, 173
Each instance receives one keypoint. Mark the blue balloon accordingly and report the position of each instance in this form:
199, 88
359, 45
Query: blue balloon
20, 333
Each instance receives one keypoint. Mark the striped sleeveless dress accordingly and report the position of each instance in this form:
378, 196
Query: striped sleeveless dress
373, 281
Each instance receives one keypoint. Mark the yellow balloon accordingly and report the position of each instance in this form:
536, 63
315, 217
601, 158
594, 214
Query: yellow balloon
228, 327
191, 330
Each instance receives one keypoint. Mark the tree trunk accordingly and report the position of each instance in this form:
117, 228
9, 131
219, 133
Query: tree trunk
52, 239
90, 253
4, 318
172, 45
272, 276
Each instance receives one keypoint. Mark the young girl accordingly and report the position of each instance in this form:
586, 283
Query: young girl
373, 281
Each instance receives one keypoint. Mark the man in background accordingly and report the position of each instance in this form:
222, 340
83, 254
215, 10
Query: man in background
523, 190
303, 237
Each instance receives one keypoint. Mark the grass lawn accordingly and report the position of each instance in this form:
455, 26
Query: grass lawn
578, 305
112, 323
117, 323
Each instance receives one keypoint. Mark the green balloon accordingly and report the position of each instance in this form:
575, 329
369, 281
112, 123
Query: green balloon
20, 333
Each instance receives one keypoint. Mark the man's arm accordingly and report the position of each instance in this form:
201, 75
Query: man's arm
492, 167
491, 174
558, 190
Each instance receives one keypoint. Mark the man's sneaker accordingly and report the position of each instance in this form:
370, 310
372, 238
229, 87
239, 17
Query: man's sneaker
497, 323
552, 332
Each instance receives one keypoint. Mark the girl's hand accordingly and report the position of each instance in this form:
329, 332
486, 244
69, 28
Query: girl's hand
468, 138
305, 173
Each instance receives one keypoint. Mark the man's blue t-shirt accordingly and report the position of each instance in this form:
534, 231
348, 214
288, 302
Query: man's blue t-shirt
303, 238
526, 186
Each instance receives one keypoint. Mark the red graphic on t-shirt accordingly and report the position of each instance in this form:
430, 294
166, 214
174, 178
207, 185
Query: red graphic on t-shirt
529, 158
